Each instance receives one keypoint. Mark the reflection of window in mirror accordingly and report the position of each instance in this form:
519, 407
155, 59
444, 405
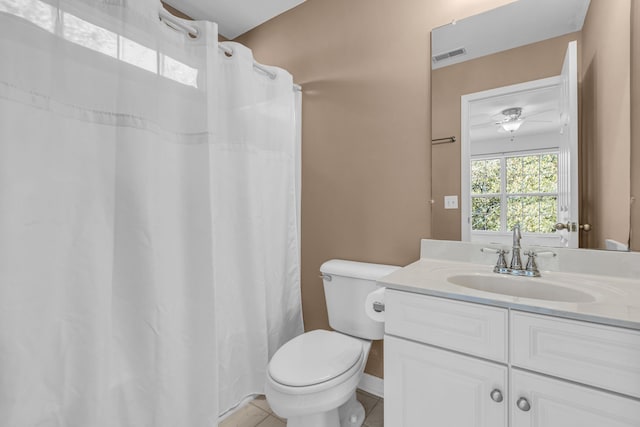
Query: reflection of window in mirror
524, 174
516, 188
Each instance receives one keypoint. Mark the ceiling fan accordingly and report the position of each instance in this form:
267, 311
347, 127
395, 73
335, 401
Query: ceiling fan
510, 119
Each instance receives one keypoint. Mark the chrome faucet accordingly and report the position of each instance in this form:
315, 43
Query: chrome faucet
515, 267
516, 261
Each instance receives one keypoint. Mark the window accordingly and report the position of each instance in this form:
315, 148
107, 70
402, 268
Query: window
514, 189
101, 40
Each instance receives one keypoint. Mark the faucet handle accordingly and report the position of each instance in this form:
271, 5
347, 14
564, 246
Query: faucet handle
501, 264
531, 262
495, 250
545, 254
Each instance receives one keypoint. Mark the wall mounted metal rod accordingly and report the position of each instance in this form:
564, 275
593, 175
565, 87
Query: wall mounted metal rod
447, 140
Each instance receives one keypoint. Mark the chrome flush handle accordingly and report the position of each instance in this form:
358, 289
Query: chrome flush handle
378, 306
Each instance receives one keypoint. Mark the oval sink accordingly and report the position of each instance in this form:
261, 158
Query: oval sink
520, 287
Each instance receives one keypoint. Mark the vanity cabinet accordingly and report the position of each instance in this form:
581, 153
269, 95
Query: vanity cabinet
427, 386
450, 363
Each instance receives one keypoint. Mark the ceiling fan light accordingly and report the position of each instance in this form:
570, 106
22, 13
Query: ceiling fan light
512, 126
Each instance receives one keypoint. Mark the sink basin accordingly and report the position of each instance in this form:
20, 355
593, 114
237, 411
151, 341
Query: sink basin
523, 287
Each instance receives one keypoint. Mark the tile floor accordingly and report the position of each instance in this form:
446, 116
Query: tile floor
257, 413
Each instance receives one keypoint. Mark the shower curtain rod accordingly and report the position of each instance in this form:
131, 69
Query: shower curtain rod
193, 31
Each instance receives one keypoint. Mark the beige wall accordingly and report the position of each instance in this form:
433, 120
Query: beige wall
605, 118
635, 125
366, 158
175, 11
531, 62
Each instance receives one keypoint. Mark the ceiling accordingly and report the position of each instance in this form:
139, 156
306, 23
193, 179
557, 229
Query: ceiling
234, 17
515, 24
540, 114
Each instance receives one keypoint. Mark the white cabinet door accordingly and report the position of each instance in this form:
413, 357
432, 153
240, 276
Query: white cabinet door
556, 403
426, 386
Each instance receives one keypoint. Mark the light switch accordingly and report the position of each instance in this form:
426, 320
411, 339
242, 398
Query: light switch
451, 202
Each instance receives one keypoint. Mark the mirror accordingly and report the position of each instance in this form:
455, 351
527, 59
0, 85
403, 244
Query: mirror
508, 46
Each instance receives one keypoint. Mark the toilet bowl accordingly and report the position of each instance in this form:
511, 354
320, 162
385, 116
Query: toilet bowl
312, 379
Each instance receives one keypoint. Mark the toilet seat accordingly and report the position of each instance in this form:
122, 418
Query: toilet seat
315, 357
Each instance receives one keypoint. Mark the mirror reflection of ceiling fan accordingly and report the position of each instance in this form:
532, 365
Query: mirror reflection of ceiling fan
510, 119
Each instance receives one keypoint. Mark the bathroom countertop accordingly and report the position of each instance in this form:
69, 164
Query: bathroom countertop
617, 300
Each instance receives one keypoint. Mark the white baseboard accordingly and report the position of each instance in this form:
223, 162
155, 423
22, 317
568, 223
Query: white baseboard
372, 385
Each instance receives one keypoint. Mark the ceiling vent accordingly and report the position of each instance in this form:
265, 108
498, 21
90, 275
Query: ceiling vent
447, 55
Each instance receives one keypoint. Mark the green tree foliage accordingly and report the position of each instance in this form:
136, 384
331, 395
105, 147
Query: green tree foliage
485, 213
530, 199
485, 176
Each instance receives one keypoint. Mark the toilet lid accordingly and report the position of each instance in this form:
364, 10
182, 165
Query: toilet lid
314, 357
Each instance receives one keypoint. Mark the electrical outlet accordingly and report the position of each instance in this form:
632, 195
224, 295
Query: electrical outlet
451, 202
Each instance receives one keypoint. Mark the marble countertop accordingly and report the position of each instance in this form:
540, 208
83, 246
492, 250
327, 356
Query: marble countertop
616, 299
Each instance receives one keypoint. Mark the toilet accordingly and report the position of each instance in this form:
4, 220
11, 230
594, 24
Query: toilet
312, 379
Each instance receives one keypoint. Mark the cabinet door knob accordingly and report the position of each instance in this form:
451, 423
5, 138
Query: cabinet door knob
496, 395
523, 404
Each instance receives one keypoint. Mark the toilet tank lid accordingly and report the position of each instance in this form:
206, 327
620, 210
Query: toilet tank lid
358, 270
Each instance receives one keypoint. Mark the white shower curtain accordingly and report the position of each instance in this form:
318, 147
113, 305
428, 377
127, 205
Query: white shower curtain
149, 246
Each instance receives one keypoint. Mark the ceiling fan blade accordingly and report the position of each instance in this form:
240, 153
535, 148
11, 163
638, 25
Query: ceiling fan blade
481, 125
537, 113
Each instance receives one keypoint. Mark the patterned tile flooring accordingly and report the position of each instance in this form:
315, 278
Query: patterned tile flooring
257, 413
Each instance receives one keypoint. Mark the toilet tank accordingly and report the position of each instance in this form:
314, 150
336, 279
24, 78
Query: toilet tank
346, 286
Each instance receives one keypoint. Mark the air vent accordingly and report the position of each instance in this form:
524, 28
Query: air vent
450, 54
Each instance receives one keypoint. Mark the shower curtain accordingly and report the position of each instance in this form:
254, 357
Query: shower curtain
149, 240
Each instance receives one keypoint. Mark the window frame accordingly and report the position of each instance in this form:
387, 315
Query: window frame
504, 233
